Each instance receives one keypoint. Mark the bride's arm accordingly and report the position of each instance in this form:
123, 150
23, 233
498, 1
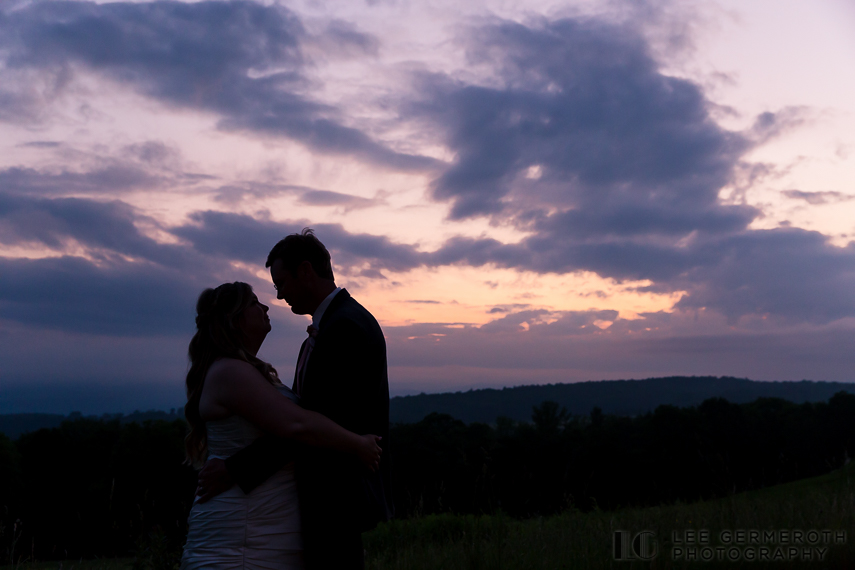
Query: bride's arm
238, 387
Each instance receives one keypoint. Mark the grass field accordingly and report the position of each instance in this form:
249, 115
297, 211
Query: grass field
585, 540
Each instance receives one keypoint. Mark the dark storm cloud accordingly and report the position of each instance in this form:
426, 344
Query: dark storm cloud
241, 60
113, 298
241, 237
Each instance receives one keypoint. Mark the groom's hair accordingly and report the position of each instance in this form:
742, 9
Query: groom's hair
297, 248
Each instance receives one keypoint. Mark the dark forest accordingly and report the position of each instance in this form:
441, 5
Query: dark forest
103, 488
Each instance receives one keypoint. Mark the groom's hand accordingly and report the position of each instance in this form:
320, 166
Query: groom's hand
214, 478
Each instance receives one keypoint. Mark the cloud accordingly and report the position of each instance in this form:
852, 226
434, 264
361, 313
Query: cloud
569, 346
347, 201
818, 198
342, 40
26, 94
581, 119
115, 298
241, 60
106, 229
769, 125
110, 178
574, 137
41, 144
582, 142
541, 322
143, 166
577, 138
234, 193
122, 283
541, 253
244, 238
151, 152
789, 273
508, 308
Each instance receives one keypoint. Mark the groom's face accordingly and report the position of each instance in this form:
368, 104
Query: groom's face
290, 289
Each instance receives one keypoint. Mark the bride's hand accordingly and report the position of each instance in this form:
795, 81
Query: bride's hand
369, 451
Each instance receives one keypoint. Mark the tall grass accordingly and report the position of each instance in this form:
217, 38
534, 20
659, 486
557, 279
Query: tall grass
584, 540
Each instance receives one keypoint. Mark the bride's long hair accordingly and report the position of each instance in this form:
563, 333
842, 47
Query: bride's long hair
216, 337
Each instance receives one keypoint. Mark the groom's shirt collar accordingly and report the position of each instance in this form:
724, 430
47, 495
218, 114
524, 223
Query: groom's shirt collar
319, 312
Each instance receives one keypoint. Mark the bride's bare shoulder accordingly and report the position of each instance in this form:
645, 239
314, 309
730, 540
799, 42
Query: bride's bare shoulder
230, 369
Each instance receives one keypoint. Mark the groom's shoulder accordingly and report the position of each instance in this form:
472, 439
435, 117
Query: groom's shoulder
358, 309
351, 310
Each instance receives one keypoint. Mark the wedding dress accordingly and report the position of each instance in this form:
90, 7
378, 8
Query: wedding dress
234, 531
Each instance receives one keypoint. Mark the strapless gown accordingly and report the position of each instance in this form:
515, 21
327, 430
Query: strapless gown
258, 531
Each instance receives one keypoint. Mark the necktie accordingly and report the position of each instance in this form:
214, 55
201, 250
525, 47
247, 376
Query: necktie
304, 358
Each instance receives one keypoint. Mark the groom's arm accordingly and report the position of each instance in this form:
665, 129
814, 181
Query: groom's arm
255, 463
249, 467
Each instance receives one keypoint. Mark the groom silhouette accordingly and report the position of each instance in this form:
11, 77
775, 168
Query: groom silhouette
341, 373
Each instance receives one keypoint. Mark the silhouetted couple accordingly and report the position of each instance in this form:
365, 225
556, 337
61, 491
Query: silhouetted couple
288, 482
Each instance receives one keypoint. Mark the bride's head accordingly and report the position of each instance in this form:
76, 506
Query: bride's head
230, 323
231, 319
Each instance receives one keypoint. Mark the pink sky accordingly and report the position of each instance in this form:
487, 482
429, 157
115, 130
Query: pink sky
570, 191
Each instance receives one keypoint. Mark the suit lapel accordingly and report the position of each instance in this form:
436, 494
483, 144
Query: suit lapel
334, 305
296, 366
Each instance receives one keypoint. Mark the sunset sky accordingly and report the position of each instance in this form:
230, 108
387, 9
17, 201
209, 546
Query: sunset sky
520, 192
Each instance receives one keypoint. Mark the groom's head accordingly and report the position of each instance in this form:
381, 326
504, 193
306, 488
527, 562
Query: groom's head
301, 271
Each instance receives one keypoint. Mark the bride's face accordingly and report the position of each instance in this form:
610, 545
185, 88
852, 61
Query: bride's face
253, 321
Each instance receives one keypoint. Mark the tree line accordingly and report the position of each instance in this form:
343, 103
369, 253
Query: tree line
100, 487
618, 397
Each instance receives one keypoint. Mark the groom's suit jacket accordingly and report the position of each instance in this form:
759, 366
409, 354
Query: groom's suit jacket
346, 380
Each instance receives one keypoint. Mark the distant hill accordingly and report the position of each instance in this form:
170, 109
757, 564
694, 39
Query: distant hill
617, 397
14, 425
